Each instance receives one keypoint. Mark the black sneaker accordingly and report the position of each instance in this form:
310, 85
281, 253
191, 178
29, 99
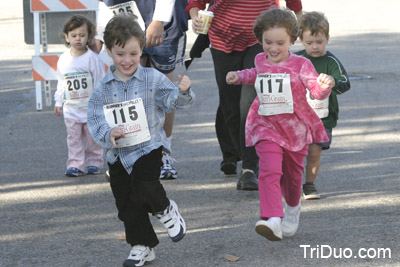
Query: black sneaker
248, 181
228, 167
310, 192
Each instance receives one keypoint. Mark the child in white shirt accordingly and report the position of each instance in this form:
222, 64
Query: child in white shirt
78, 71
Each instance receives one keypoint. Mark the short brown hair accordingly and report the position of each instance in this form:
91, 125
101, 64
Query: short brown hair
120, 29
315, 22
276, 18
75, 22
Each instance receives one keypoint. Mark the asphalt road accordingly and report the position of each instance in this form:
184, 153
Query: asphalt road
48, 219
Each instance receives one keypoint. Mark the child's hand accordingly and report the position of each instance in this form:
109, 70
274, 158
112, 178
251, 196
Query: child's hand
325, 81
57, 111
231, 77
184, 83
116, 133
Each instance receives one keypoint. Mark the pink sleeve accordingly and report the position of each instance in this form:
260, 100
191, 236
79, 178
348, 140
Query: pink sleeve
309, 76
247, 76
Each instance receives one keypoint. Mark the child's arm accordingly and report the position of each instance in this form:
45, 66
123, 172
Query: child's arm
98, 70
169, 97
184, 83
231, 77
336, 69
247, 76
97, 124
318, 85
59, 93
325, 81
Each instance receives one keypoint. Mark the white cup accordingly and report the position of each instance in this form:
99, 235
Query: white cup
206, 18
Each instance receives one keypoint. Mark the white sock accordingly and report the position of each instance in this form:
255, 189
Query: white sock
167, 144
276, 220
292, 209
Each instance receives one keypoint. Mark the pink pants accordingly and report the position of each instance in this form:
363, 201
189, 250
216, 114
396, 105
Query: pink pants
281, 174
83, 151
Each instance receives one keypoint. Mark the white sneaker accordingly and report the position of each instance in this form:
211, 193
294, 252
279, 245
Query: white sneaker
168, 170
269, 229
138, 256
173, 221
290, 222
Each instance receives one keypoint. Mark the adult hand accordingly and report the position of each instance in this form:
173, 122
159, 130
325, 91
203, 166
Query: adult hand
196, 22
154, 33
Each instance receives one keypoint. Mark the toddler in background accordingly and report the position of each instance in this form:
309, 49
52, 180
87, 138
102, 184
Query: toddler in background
78, 71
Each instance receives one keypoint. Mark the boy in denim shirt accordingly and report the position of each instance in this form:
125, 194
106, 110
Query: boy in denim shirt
126, 115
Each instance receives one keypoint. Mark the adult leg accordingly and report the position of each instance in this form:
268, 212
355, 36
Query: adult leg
248, 94
227, 121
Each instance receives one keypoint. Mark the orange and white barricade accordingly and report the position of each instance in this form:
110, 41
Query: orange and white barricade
44, 65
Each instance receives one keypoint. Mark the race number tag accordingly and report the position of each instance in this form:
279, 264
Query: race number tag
274, 94
78, 87
129, 116
321, 107
129, 7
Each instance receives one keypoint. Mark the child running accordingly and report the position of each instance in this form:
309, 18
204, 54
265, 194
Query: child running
280, 123
314, 35
78, 71
126, 116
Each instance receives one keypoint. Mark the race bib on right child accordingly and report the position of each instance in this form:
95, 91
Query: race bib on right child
321, 107
274, 93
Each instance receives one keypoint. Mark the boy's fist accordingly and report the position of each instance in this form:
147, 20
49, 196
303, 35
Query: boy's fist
183, 83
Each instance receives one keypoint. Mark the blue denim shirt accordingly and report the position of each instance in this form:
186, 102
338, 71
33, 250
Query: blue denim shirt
159, 96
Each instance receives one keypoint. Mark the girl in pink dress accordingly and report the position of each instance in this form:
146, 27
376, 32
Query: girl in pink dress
280, 123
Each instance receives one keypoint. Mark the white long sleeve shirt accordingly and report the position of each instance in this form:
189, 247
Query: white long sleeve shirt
89, 63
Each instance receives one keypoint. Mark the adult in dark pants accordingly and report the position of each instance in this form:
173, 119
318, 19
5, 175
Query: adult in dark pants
233, 47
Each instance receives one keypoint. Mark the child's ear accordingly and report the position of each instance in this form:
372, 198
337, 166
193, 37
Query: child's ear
108, 52
327, 38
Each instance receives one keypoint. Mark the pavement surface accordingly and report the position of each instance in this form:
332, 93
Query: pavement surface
48, 219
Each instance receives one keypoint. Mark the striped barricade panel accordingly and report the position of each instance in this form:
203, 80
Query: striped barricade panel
62, 5
44, 67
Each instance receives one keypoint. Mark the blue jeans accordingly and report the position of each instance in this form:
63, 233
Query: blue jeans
234, 104
165, 56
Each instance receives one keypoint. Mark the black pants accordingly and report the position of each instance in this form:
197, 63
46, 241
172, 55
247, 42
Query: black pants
234, 104
138, 194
